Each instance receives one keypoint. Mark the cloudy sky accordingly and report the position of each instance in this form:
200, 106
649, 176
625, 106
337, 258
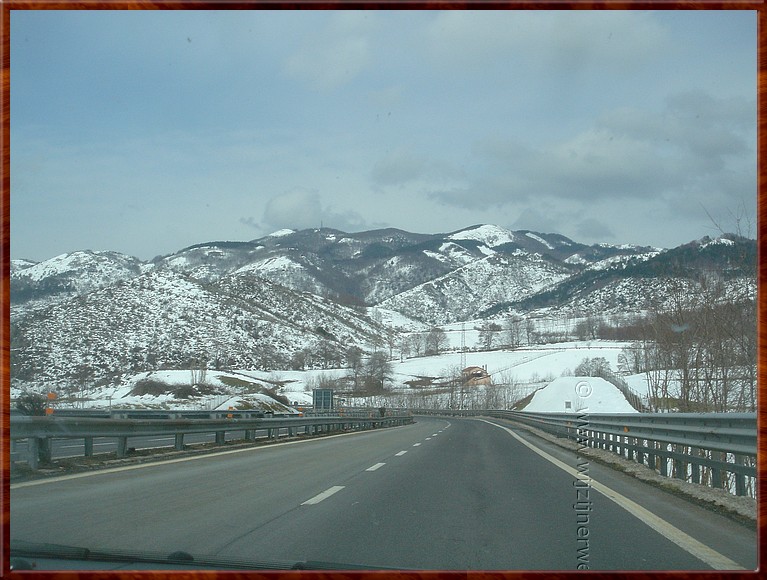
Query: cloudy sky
146, 132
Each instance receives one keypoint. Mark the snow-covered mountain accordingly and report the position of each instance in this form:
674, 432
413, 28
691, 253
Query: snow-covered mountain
162, 319
647, 280
478, 285
70, 274
298, 299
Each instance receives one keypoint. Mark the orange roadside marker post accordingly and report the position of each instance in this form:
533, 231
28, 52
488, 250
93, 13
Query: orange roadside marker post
49, 408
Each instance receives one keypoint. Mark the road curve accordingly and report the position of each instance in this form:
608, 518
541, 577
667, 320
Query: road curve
448, 494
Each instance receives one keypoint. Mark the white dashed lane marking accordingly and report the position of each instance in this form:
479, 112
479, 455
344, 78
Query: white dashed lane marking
374, 467
324, 495
400, 453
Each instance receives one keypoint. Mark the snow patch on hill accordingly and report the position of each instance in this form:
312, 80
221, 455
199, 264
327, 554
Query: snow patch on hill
489, 235
539, 239
579, 395
275, 264
281, 233
87, 269
18, 265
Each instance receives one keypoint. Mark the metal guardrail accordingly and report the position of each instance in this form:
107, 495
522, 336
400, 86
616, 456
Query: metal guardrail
40, 430
206, 413
696, 447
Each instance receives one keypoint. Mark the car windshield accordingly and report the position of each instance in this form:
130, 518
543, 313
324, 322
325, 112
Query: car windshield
381, 289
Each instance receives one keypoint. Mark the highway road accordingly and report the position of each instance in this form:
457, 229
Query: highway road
448, 494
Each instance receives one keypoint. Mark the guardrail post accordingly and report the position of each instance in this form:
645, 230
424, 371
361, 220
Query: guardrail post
249, 434
679, 466
179, 442
220, 437
639, 452
630, 443
33, 451
740, 479
88, 445
651, 463
695, 452
122, 446
663, 462
716, 478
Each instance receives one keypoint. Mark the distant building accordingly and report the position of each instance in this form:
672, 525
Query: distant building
473, 376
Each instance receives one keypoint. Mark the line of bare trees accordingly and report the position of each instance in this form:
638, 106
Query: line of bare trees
699, 352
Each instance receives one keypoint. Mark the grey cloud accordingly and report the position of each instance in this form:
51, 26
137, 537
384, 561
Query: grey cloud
544, 219
404, 166
250, 222
294, 209
560, 41
591, 228
399, 168
700, 129
628, 153
300, 209
335, 54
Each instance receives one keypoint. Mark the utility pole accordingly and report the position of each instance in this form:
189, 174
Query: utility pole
463, 346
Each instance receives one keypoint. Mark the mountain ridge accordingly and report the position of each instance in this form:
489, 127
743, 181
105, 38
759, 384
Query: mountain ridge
305, 297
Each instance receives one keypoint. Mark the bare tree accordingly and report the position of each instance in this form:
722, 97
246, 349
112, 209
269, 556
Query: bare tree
378, 370
436, 341
354, 361
513, 331
487, 335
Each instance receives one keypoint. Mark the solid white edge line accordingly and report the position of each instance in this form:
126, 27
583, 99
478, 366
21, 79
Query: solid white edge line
376, 466
698, 549
324, 495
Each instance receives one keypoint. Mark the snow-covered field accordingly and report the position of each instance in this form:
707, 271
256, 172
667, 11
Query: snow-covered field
579, 395
520, 372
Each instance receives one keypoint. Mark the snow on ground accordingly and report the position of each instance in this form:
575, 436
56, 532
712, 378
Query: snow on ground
524, 364
280, 233
487, 234
394, 319
163, 389
579, 395
526, 369
276, 264
532, 236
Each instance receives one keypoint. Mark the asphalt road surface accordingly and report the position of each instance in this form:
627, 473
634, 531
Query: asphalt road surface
447, 494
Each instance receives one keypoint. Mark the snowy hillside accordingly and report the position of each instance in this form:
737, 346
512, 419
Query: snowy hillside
302, 298
466, 291
162, 320
488, 235
214, 390
71, 274
515, 373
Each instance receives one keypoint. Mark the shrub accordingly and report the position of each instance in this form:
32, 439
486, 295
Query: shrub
32, 403
149, 387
